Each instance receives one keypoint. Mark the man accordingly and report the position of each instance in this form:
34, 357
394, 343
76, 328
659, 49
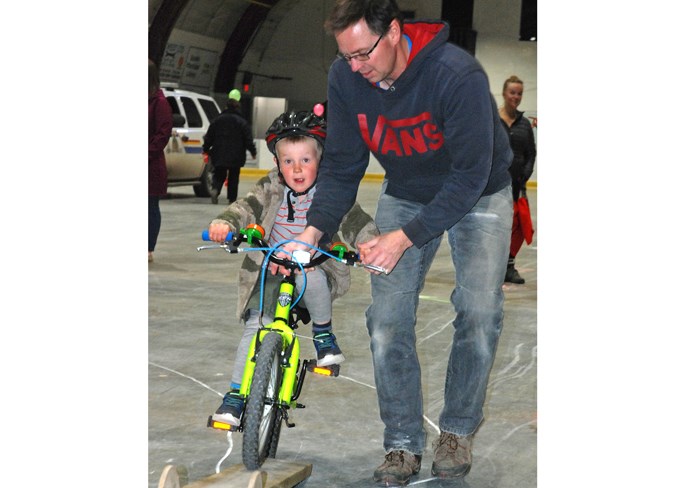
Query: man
424, 109
228, 137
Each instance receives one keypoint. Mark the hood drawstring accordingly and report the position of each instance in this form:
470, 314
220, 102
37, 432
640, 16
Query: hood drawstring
290, 207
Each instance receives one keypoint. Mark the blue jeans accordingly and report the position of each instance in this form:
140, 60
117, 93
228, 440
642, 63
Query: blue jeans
479, 244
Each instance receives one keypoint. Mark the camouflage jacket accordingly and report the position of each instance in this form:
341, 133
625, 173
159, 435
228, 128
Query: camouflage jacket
260, 207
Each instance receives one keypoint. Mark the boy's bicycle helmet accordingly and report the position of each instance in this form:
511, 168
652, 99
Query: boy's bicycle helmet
296, 124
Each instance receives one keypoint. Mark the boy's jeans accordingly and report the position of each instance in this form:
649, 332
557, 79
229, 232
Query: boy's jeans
479, 244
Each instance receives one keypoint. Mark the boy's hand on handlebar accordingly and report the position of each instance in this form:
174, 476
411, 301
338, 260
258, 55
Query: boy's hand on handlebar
218, 230
276, 268
384, 250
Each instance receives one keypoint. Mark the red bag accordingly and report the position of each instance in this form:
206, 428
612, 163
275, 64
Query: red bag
522, 227
524, 217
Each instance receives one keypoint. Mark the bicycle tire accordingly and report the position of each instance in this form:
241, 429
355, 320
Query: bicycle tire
262, 413
275, 437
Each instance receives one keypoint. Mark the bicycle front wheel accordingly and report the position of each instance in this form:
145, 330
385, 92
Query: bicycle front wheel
263, 415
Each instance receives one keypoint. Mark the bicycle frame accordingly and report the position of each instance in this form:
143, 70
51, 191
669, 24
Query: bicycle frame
289, 342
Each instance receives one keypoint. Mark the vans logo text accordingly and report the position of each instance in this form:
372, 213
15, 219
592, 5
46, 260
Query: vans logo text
402, 136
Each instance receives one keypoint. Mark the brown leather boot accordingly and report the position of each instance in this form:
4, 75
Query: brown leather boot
398, 468
453, 455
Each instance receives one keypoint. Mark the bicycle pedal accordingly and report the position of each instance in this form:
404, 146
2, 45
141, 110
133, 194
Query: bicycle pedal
215, 424
331, 370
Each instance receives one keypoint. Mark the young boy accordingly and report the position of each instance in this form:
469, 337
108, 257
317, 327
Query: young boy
279, 203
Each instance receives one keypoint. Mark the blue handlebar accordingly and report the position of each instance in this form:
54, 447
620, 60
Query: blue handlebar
205, 235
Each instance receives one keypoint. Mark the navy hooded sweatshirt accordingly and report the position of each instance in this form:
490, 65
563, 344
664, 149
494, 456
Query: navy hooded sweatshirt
436, 132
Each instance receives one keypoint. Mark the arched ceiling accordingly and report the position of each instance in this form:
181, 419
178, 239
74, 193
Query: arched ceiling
247, 27
211, 18
240, 23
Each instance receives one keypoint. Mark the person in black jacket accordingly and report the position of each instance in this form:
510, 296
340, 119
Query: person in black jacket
228, 137
524, 151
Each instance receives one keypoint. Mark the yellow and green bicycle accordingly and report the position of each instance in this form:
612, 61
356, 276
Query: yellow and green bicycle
274, 374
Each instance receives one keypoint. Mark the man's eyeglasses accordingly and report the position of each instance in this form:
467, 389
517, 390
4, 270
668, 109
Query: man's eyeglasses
359, 56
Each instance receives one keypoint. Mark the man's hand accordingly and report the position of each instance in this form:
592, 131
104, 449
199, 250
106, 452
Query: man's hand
311, 235
384, 250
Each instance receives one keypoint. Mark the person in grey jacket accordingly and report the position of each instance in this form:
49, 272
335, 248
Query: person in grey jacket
278, 203
228, 138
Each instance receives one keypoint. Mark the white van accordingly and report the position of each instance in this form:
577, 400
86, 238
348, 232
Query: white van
193, 113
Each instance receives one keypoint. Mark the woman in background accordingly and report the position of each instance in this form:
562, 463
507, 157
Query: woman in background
524, 150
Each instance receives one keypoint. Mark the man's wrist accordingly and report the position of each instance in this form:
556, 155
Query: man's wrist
315, 233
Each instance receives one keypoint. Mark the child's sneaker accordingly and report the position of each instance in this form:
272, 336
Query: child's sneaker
328, 352
230, 410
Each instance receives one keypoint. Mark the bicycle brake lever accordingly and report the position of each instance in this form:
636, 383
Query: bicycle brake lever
376, 268
373, 267
226, 247
211, 246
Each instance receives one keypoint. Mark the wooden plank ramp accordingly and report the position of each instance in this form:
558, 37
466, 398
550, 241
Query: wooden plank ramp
275, 473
